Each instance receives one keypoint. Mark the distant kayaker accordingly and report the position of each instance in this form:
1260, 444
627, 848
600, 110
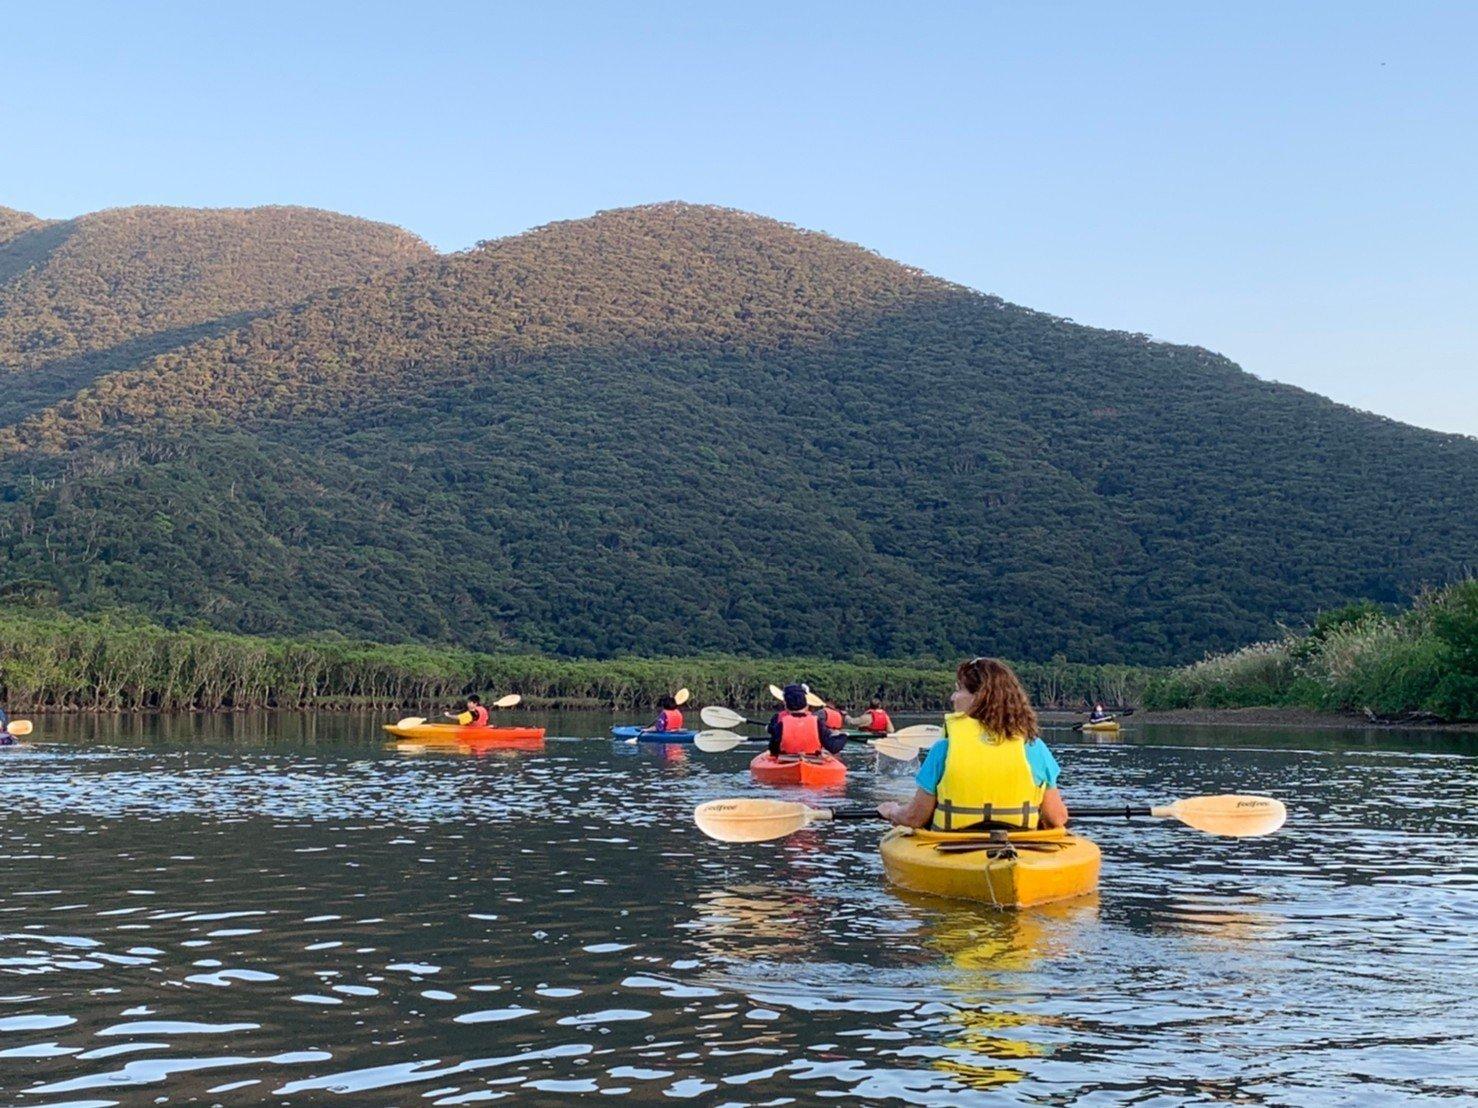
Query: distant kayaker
6, 738
797, 730
474, 715
832, 716
1099, 714
875, 719
990, 768
669, 717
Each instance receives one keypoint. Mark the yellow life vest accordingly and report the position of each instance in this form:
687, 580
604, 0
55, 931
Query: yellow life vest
984, 780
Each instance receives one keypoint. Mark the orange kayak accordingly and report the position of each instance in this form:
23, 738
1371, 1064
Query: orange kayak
472, 738
817, 771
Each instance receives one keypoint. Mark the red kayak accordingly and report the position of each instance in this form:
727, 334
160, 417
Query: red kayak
815, 771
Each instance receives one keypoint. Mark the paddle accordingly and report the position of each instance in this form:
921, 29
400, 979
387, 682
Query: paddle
716, 742
716, 715
681, 697
502, 702
1229, 815
753, 820
918, 737
20, 727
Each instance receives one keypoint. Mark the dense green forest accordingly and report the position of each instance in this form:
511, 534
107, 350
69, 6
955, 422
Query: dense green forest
680, 430
50, 661
1420, 663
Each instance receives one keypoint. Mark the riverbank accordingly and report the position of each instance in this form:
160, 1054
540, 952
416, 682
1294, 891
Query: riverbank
55, 662
1420, 664
1286, 718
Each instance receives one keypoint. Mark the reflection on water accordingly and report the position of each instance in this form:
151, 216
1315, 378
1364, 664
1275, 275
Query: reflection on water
285, 910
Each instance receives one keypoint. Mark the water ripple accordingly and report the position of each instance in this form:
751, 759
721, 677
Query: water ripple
298, 922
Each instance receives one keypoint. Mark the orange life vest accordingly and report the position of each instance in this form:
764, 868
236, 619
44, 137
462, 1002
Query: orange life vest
832, 718
669, 719
800, 733
479, 716
879, 721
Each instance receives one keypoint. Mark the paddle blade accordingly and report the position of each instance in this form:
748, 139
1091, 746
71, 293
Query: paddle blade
753, 820
411, 721
507, 701
921, 736
20, 727
903, 752
815, 701
1238, 816
716, 715
716, 742
777, 692
681, 697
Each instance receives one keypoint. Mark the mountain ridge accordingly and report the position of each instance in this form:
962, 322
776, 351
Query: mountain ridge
855, 457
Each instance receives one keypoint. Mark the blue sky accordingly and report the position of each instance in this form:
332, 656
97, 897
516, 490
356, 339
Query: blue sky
1293, 185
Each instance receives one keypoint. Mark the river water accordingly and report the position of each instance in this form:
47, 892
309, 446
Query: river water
284, 911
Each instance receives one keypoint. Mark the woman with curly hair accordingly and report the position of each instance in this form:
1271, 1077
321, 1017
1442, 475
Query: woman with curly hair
990, 769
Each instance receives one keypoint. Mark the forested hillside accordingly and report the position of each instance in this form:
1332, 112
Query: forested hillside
82, 297
676, 428
13, 223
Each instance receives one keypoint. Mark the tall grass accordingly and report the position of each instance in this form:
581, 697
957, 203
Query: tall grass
1419, 663
115, 664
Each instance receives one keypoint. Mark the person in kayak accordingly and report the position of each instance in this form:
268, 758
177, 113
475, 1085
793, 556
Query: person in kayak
875, 719
669, 717
797, 730
832, 716
6, 738
474, 715
1099, 713
990, 769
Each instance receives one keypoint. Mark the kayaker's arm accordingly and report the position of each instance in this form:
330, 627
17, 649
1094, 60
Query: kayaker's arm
916, 813
830, 740
773, 730
1054, 809
859, 721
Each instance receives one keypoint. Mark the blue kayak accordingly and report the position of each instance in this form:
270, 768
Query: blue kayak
641, 734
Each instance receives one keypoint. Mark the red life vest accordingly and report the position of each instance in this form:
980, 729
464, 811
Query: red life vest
878, 721
799, 734
479, 716
832, 718
669, 719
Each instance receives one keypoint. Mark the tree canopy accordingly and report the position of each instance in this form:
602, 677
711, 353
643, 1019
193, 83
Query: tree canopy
679, 429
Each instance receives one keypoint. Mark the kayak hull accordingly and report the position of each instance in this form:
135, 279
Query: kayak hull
817, 772
1042, 867
1107, 725
642, 734
454, 735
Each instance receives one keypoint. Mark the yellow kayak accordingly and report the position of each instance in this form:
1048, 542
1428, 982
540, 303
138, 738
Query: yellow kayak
1106, 725
1018, 871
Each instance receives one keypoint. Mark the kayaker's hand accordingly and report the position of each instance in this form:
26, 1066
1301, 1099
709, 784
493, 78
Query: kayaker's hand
890, 810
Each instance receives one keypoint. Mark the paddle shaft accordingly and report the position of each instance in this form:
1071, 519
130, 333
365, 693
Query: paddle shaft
855, 813
1128, 811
